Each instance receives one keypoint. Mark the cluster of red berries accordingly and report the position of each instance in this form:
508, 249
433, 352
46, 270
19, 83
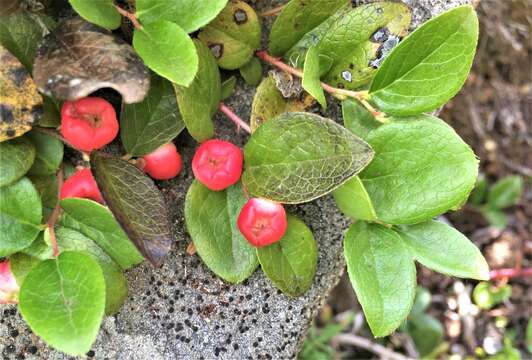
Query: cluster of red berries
90, 124
218, 164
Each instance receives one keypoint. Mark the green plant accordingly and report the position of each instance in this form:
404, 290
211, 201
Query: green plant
391, 167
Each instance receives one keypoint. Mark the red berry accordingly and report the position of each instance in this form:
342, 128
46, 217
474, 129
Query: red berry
9, 288
164, 163
81, 185
217, 164
89, 123
262, 222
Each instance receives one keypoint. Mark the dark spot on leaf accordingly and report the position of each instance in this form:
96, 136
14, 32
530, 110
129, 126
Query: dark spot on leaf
217, 50
6, 113
379, 10
10, 133
240, 16
19, 75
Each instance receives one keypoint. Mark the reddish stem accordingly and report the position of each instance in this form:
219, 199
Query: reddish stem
55, 214
510, 273
234, 117
130, 16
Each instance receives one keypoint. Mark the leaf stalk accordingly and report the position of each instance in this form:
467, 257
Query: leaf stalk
130, 16
227, 111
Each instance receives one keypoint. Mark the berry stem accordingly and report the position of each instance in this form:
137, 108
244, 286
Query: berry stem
55, 213
234, 117
510, 273
130, 16
340, 94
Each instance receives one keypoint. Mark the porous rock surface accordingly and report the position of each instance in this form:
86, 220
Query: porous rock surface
183, 311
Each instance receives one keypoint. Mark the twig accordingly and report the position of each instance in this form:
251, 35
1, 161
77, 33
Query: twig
510, 273
130, 16
272, 12
341, 94
361, 342
234, 117
55, 213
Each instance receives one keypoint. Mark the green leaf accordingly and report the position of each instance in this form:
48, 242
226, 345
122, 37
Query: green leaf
486, 296
50, 117
228, 87
358, 119
136, 203
49, 154
21, 265
505, 192
48, 190
478, 195
421, 302
63, 301
100, 12
199, 101
311, 77
252, 71
22, 32
40, 247
427, 333
16, 157
152, 123
298, 157
353, 200
382, 273
115, 282
528, 338
291, 262
20, 216
268, 102
167, 50
297, 18
211, 221
421, 169
233, 36
430, 66
96, 222
444, 249
189, 15
495, 217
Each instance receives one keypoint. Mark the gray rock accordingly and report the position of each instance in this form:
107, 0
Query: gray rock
183, 311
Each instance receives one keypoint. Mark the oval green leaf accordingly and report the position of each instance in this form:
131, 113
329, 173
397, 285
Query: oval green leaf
168, 50
16, 158
421, 169
136, 203
291, 262
430, 66
199, 101
298, 157
63, 301
505, 192
20, 216
152, 123
49, 154
97, 223
353, 200
444, 249
358, 119
311, 77
211, 222
101, 12
252, 71
382, 273
48, 188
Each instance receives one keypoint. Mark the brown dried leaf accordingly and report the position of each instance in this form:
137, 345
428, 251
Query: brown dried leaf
78, 58
20, 103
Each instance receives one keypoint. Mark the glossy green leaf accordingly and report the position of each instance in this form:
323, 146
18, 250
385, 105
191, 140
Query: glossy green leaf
358, 119
48, 190
505, 192
21, 265
115, 282
382, 273
297, 18
311, 77
199, 101
353, 200
49, 154
291, 262
63, 301
16, 157
228, 87
211, 222
189, 15
252, 72
168, 50
444, 249
100, 12
234, 35
20, 216
298, 157
155, 121
40, 248
486, 295
421, 169
96, 222
427, 333
430, 66
136, 203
